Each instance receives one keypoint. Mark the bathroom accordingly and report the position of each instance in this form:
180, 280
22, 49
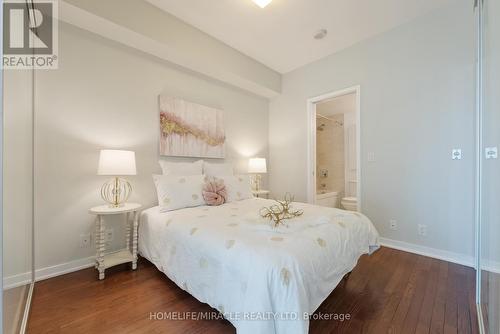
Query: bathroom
336, 152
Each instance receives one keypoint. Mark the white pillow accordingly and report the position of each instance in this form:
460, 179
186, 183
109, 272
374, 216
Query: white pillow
218, 169
181, 168
177, 191
238, 187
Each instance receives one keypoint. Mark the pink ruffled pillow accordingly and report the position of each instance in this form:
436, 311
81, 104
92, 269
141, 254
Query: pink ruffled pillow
214, 191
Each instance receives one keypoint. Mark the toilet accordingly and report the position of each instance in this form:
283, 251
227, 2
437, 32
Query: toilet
350, 203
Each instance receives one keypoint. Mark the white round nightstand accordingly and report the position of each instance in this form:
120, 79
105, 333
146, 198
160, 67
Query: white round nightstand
126, 255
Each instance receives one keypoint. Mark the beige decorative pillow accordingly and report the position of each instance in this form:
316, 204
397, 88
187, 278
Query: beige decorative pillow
238, 187
177, 191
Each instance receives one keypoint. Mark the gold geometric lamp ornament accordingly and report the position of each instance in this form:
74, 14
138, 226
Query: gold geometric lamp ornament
116, 163
257, 166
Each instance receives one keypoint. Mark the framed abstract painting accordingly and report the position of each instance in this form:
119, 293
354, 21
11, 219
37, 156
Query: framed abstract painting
190, 130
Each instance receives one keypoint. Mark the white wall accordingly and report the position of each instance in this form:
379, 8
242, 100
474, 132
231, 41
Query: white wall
104, 95
417, 103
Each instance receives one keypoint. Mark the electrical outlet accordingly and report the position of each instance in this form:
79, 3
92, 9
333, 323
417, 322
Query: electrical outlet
422, 230
491, 152
456, 154
85, 240
393, 224
110, 235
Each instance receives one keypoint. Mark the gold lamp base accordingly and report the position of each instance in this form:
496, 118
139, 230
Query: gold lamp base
256, 182
116, 191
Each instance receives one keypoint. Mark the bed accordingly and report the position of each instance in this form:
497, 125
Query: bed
263, 280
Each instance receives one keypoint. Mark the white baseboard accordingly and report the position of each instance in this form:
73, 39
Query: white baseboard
48, 272
466, 260
64, 268
440, 254
15, 281
491, 266
68, 267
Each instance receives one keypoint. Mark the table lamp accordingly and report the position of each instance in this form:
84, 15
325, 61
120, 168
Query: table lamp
257, 166
116, 163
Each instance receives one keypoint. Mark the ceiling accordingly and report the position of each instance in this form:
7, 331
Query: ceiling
281, 35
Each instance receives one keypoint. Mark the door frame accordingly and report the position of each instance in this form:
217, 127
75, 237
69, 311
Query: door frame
311, 139
479, 30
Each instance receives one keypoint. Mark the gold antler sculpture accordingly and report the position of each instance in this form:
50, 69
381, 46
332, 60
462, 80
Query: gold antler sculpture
281, 211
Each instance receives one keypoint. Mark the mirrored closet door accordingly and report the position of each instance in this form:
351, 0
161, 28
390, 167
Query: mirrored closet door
17, 213
489, 132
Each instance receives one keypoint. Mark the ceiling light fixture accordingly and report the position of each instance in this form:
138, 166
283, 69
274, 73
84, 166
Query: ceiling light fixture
320, 34
262, 3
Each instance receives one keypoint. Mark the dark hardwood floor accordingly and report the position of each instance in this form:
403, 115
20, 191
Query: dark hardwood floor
388, 292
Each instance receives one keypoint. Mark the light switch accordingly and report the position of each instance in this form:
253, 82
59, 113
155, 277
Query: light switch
371, 157
491, 152
456, 154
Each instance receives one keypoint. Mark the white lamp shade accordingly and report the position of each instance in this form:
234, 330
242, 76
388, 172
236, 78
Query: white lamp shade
257, 165
116, 162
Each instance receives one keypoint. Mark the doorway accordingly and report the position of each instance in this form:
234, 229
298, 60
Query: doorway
334, 169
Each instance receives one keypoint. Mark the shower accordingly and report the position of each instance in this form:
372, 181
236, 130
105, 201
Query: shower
321, 127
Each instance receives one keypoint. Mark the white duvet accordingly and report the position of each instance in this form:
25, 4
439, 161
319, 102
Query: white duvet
262, 280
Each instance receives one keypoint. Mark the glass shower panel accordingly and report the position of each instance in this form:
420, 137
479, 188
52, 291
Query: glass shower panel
490, 187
